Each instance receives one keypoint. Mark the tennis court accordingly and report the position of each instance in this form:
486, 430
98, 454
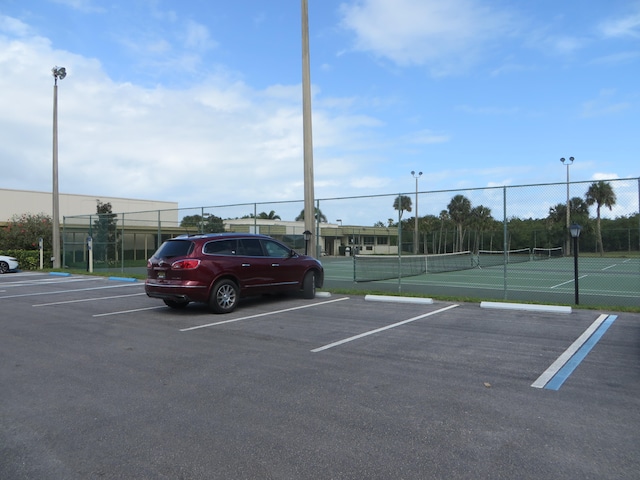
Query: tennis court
604, 281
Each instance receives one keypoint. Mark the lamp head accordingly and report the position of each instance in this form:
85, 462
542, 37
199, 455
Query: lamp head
59, 72
307, 235
575, 230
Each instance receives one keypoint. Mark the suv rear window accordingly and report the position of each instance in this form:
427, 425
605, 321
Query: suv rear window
174, 248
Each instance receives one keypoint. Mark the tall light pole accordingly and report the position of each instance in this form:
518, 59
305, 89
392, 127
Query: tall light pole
415, 235
58, 73
567, 163
309, 209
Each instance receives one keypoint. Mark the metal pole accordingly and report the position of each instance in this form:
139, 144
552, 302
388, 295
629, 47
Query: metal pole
575, 268
568, 204
505, 234
399, 243
568, 213
415, 235
309, 214
56, 205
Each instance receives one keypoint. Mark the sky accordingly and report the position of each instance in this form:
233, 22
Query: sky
200, 102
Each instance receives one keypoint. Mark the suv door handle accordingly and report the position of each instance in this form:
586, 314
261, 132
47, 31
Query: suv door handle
275, 264
246, 264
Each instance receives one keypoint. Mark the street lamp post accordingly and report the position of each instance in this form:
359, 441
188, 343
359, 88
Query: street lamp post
575, 233
415, 236
58, 73
307, 236
568, 163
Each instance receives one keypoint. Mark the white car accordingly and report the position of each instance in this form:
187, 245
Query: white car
8, 263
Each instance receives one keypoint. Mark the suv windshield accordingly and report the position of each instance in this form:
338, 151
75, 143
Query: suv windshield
174, 248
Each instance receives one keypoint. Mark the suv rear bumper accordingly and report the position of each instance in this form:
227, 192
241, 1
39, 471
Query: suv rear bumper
164, 291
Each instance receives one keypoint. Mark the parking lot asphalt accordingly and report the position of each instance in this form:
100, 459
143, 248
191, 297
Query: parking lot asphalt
97, 381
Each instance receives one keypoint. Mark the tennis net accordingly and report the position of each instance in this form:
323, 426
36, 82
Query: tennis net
368, 268
546, 253
489, 258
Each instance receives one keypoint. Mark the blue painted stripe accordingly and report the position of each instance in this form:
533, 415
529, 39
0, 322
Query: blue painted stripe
559, 378
123, 279
60, 274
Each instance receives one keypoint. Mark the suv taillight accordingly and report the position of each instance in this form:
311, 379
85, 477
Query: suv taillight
188, 264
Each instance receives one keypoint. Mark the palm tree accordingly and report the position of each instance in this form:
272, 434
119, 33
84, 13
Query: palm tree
402, 203
601, 193
269, 216
444, 216
481, 218
319, 216
556, 220
459, 210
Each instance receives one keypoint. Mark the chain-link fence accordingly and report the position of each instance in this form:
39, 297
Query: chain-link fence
517, 240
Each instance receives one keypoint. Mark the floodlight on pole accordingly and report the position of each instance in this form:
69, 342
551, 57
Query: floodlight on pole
58, 73
416, 175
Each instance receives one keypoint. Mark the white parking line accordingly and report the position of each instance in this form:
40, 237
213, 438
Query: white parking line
44, 281
68, 291
263, 314
550, 372
88, 299
122, 312
377, 330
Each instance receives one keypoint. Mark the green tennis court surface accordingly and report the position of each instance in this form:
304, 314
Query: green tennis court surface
601, 281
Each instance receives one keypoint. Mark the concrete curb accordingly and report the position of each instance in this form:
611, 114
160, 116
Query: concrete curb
525, 306
391, 298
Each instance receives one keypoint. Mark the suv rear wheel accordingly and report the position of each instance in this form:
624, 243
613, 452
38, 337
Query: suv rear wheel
224, 296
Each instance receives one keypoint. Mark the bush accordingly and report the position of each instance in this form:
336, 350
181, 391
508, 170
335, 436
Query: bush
23, 232
28, 259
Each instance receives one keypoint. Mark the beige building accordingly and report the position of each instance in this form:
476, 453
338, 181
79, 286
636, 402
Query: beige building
333, 239
18, 202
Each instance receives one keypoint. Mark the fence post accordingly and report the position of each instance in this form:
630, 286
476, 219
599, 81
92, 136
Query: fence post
505, 246
122, 244
399, 244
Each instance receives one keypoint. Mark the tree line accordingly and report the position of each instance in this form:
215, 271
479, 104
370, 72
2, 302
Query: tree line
462, 226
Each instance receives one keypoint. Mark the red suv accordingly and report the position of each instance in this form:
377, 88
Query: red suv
219, 268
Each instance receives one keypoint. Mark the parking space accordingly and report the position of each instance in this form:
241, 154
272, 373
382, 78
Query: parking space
100, 381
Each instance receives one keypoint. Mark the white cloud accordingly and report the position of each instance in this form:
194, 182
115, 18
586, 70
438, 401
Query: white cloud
427, 137
446, 36
13, 26
197, 37
604, 104
628, 26
218, 140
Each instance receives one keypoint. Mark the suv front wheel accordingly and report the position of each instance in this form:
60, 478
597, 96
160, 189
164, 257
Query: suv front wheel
224, 296
309, 285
